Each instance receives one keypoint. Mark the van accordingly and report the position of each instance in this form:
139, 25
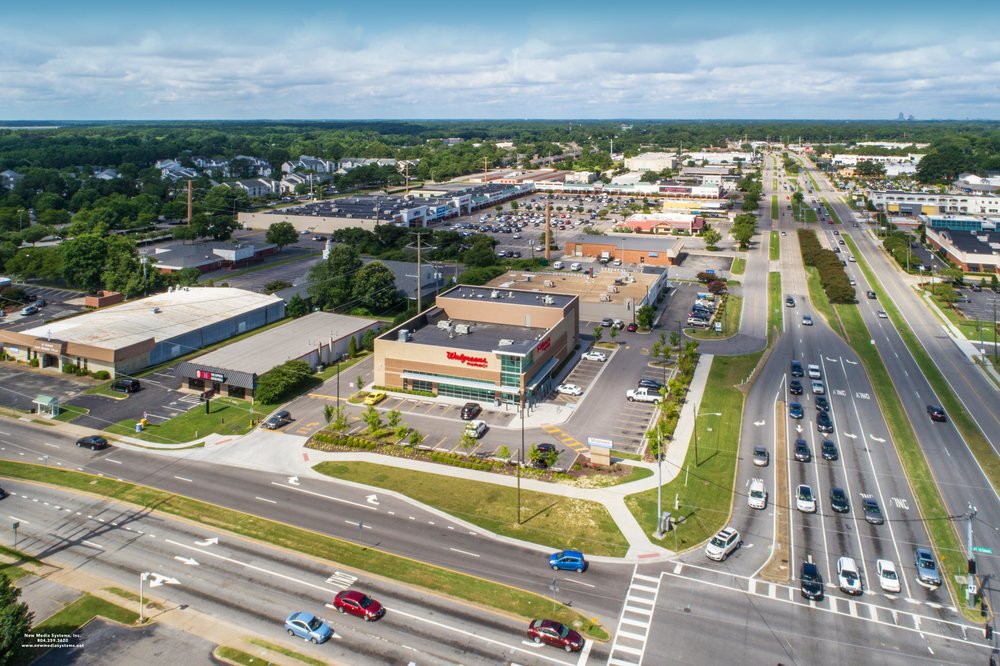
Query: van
576, 267
558, 265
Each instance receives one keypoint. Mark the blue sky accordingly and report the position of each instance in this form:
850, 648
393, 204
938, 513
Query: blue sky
513, 59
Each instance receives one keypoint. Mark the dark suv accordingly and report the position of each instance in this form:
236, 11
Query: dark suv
812, 581
470, 410
126, 385
649, 383
797, 369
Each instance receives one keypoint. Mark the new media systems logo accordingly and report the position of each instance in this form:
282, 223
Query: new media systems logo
477, 361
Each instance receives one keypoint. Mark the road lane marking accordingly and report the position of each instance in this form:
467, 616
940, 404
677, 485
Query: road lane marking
114, 461
351, 522
464, 552
19, 520
578, 582
262, 499
181, 478
335, 499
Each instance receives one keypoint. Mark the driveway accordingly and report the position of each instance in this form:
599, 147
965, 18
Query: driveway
19, 386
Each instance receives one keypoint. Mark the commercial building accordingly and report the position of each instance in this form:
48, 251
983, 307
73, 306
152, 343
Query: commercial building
896, 201
972, 251
209, 256
651, 162
319, 338
147, 331
481, 344
653, 250
664, 222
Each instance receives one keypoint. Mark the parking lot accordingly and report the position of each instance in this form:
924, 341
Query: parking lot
58, 303
983, 305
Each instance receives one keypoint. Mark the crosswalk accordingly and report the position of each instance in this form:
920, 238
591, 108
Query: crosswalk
629, 646
566, 439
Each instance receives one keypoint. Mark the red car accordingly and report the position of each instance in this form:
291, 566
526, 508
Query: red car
359, 605
555, 633
631, 328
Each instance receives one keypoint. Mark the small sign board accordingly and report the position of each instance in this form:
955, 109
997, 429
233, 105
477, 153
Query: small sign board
718, 327
980, 549
602, 443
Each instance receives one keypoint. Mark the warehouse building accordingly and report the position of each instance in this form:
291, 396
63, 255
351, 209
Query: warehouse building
481, 344
131, 336
319, 339
653, 250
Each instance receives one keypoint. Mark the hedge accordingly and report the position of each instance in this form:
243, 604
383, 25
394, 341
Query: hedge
425, 394
832, 277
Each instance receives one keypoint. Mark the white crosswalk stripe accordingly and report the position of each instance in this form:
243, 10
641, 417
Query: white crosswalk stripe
639, 600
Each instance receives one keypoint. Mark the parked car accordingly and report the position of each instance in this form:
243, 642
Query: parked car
555, 633
936, 413
804, 500
839, 501
649, 383
477, 427
568, 560
375, 397
569, 389
760, 456
606, 322
594, 356
811, 582
723, 544
887, 578
278, 420
847, 575
757, 496
802, 453
308, 626
29, 310
873, 514
126, 385
470, 410
795, 410
92, 442
927, 571
358, 604
631, 328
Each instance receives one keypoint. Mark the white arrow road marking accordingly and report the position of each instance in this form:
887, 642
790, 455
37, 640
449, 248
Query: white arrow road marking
372, 499
847, 434
335, 499
851, 362
758, 423
186, 560
877, 439
159, 579
294, 480
831, 360
799, 428
250, 566
207, 542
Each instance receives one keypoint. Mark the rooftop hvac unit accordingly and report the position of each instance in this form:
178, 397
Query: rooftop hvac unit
462, 329
506, 343
548, 300
156, 310
404, 335
444, 324
549, 283
605, 298
494, 294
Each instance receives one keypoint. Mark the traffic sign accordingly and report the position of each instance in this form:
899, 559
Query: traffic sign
980, 549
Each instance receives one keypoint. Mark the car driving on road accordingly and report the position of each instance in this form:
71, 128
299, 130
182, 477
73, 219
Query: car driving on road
760, 456
802, 453
92, 442
795, 410
358, 604
936, 413
847, 575
839, 501
873, 514
757, 496
927, 571
804, 500
568, 560
887, 578
556, 634
723, 544
829, 450
309, 627
811, 582
823, 422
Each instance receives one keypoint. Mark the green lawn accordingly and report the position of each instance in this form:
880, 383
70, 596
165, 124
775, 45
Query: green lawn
811, 216
774, 305
367, 557
75, 615
819, 301
775, 246
705, 490
774, 207
550, 520
815, 184
829, 209
68, 412
228, 416
280, 650
239, 656
739, 266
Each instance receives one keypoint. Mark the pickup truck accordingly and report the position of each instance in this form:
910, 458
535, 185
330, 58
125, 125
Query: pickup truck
642, 395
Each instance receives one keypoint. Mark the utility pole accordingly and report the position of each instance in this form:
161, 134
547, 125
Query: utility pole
486, 170
419, 285
971, 588
189, 202
548, 228
406, 176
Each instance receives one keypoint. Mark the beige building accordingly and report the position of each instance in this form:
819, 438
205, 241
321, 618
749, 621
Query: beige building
481, 344
651, 162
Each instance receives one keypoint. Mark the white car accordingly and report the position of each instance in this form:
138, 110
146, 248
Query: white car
594, 356
804, 500
882, 314
847, 573
818, 388
478, 427
757, 497
515, 236
569, 389
887, 578
618, 323
723, 544
814, 372
807, 320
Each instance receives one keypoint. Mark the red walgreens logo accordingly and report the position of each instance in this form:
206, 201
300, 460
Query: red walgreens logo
545, 345
477, 361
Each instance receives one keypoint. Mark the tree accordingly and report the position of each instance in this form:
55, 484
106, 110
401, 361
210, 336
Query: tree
83, 261
360, 382
281, 234
125, 271
331, 282
712, 238
352, 349
717, 286
798, 198
328, 413
614, 333
644, 316
481, 254
15, 622
373, 419
375, 287
415, 437
368, 340
504, 453
393, 418
598, 333
296, 307
35, 233
468, 441
277, 285
675, 339
340, 420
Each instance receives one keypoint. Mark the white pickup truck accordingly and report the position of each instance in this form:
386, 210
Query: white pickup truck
642, 395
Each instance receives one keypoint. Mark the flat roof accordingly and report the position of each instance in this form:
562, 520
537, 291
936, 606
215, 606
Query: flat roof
178, 312
259, 353
968, 241
482, 337
578, 285
499, 295
641, 243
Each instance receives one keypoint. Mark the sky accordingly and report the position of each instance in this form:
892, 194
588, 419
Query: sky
328, 59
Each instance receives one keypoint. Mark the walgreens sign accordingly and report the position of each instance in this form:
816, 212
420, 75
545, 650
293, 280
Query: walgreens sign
475, 361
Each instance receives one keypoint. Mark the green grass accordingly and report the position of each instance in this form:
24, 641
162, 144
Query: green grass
815, 184
625, 455
72, 617
549, 520
819, 300
14, 573
774, 206
811, 216
504, 598
68, 412
707, 496
280, 650
239, 656
228, 276
229, 416
739, 266
849, 200
775, 246
829, 209
774, 305
966, 326
129, 596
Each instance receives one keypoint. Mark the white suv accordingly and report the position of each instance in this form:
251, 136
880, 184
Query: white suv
814, 371
757, 497
847, 573
723, 544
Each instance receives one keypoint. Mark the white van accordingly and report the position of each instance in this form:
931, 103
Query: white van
557, 265
576, 267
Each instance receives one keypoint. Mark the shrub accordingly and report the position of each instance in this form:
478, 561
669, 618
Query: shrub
68, 368
33, 362
102, 374
576, 468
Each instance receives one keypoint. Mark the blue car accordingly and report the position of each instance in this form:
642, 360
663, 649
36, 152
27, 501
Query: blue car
569, 560
795, 410
310, 627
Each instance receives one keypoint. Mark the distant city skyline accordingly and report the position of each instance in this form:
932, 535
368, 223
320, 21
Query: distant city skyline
432, 60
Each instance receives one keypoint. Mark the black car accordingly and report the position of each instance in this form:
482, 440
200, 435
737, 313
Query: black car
126, 385
822, 403
829, 450
470, 410
839, 501
517, 254
795, 387
812, 582
823, 422
976, 288
797, 369
92, 442
936, 413
542, 461
649, 383
802, 453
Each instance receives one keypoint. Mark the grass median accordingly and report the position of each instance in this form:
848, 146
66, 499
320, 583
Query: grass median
549, 520
829, 210
774, 305
500, 597
774, 246
819, 300
703, 489
739, 266
774, 206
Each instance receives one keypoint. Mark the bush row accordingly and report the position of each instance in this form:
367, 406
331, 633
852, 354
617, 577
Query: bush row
832, 277
424, 394
71, 369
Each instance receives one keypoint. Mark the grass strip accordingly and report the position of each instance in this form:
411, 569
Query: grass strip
819, 300
412, 572
239, 657
704, 489
774, 318
69, 620
129, 596
550, 520
624, 455
778, 567
774, 206
288, 653
815, 185
774, 248
19, 556
68, 412
228, 416
739, 266
811, 216
829, 210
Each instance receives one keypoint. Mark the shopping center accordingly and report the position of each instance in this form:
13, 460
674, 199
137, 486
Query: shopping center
481, 344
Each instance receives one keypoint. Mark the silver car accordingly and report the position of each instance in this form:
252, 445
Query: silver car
760, 456
927, 571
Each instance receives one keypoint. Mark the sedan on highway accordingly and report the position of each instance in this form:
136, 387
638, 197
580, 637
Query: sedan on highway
823, 422
822, 403
847, 575
789, 302
829, 450
594, 356
927, 572
807, 320
818, 388
568, 560
358, 604
811, 582
308, 626
802, 453
555, 633
795, 387
804, 500
92, 442
936, 413
873, 514
795, 410
760, 456
839, 501
569, 389
887, 578
882, 314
